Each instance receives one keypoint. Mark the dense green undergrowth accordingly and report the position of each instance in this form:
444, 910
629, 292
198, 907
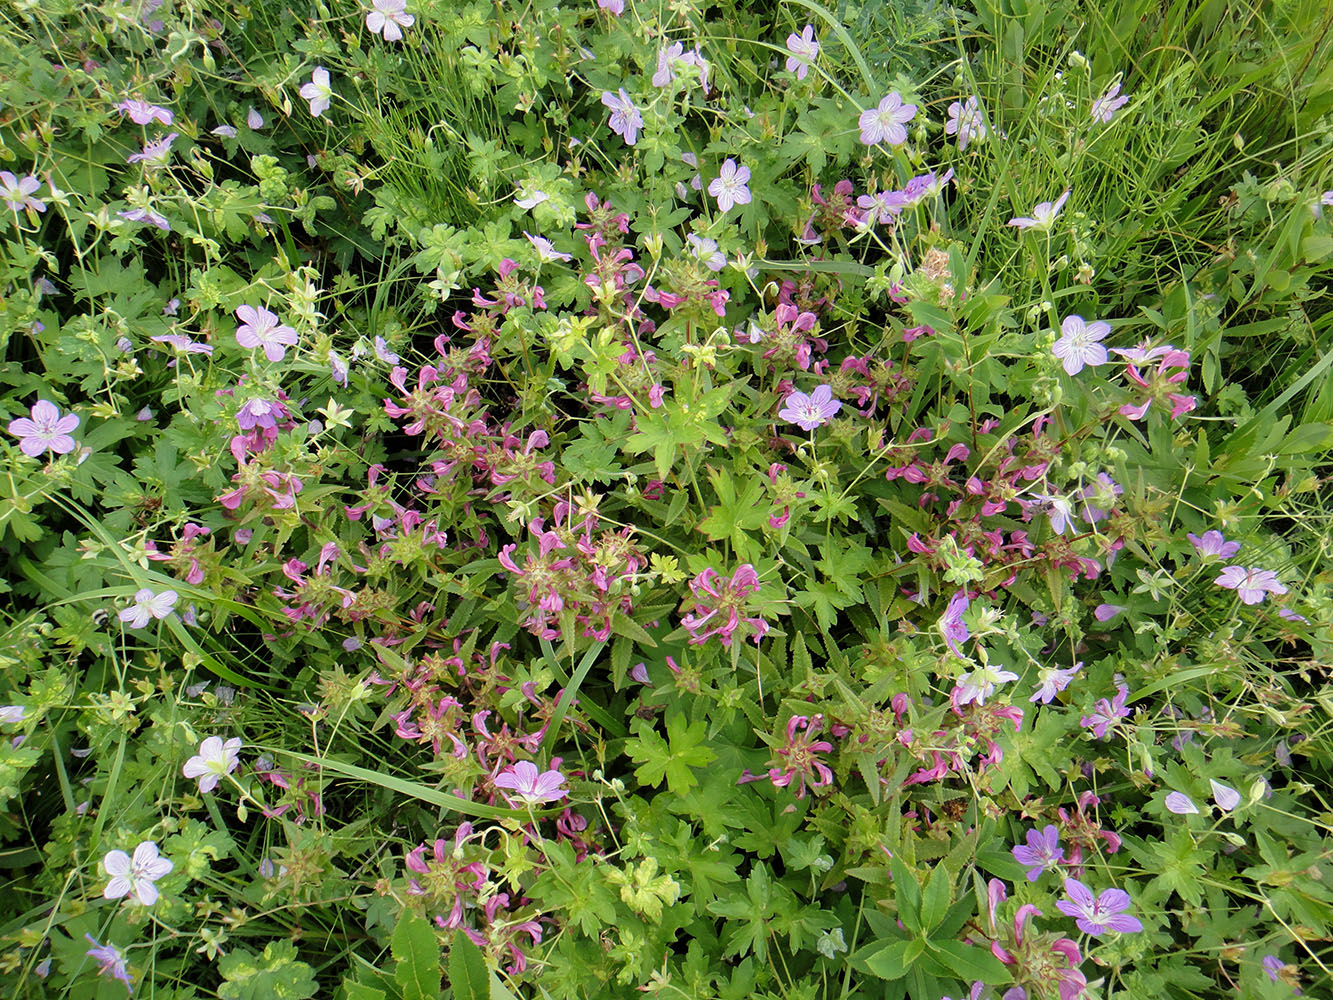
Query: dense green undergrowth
706, 500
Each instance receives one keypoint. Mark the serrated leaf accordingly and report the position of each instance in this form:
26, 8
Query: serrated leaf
468, 975
417, 952
935, 900
970, 964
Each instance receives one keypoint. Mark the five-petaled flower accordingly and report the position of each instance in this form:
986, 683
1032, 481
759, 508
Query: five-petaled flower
977, 685
389, 18
1042, 853
319, 92
951, 623
135, 874
804, 50
1106, 713
1213, 545
1105, 107
1097, 915
885, 122
148, 605
17, 192
1051, 681
718, 606
729, 187
1079, 343
967, 121
1042, 215
544, 248
809, 412
214, 760
44, 429
531, 786
625, 119
154, 153
1250, 584
143, 113
261, 328
110, 962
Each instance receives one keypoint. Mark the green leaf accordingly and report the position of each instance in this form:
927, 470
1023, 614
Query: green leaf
360, 991
674, 758
970, 964
889, 961
909, 895
418, 953
468, 975
935, 900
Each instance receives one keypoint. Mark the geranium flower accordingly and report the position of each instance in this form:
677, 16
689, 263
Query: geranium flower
531, 786
318, 91
1051, 681
1180, 804
214, 760
1057, 508
147, 606
1226, 797
261, 328
804, 50
148, 216
110, 962
17, 192
885, 122
967, 121
1105, 107
154, 153
1213, 545
532, 199
135, 875
1043, 852
142, 113
729, 187
978, 685
1078, 344
389, 17
1106, 713
44, 429
812, 411
254, 121
544, 248
675, 53
11, 714
706, 250
625, 119
1098, 915
1042, 215
1250, 584
951, 623
616, 7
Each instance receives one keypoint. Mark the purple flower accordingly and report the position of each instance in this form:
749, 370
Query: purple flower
214, 760
110, 962
885, 123
17, 192
388, 17
1043, 852
978, 685
531, 786
147, 215
1250, 584
729, 187
675, 53
967, 121
1226, 797
1105, 107
319, 92
142, 113
1051, 681
1105, 612
1057, 508
804, 50
254, 121
260, 328
338, 369
1180, 804
883, 206
1212, 545
148, 605
951, 623
706, 250
11, 714
226, 131
625, 118
382, 352
135, 875
1277, 971
1078, 344
1042, 215
1098, 915
812, 411
44, 430
154, 153
1106, 713
616, 7
183, 343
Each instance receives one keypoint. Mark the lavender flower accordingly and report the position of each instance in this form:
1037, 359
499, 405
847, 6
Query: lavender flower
17, 192
183, 343
1051, 681
214, 760
1098, 915
1250, 584
729, 187
1226, 797
967, 121
885, 122
229, 131
261, 328
319, 92
44, 429
544, 248
1180, 804
11, 715
143, 113
1042, 215
1105, 107
1212, 545
951, 623
154, 153
706, 250
254, 121
978, 685
616, 7
1057, 508
148, 216
388, 17
675, 53
804, 50
812, 411
1106, 713
1043, 852
529, 785
1078, 344
148, 605
530, 200
625, 119
135, 875
110, 962
1105, 612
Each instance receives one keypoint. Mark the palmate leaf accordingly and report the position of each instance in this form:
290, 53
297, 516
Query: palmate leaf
673, 758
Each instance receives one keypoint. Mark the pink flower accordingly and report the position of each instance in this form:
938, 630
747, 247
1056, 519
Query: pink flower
44, 430
718, 606
142, 113
804, 50
1250, 584
797, 757
148, 605
616, 7
544, 248
885, 123
135, 875
529, 785
155, 153
967, 121
1105, 107
1106, 713
214, 760
1098, 915
1212, 545
729, 187
110, 962
625, 119
261, 328
1042, 215
1051, 681
388, 18
319, 92
951, 623
17, 192
812, 411
1078, 344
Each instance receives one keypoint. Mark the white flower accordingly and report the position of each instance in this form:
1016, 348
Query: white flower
389, 17
979, 684
544, 248
135, 875
729, 188
11, 714
214, 760
1079, 343
318, 91
148, 605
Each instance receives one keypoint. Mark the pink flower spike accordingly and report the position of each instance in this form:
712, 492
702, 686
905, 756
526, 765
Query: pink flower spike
44, 429
529, 785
